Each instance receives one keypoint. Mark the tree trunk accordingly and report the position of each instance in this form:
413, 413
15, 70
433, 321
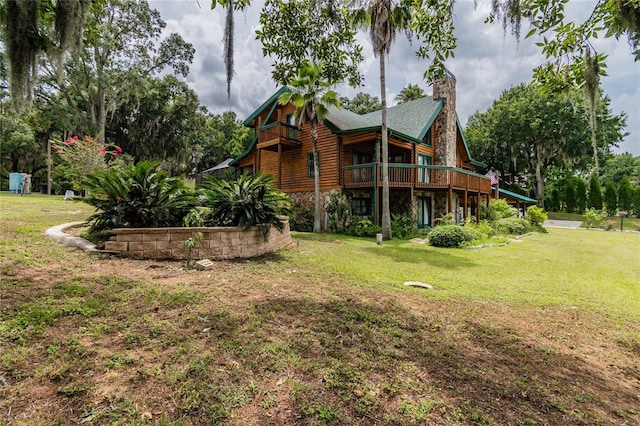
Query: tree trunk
386, 213
316, 178
539, 179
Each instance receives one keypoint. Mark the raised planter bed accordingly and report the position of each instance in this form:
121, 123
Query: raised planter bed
217, 243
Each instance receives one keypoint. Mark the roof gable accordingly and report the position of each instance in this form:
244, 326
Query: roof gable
410, 120
269, 102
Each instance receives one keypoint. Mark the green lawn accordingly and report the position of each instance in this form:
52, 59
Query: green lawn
545, 331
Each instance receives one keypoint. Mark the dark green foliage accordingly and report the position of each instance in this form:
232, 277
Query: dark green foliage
338, 212
611, 198
570, 198
403, 226
449, 236
581, 194
553, 202
301, 218
636, 200
363, 228
595, 193
249, 201
625, 194
137, 196
362, 103
511, 226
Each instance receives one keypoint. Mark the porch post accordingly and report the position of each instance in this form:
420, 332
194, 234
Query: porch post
374, 182
450, 193
478, 202
279, 166
464, 213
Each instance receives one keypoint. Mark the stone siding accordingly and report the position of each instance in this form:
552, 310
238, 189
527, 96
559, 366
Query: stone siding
217, 243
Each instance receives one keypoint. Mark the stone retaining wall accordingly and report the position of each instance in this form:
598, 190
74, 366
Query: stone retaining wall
217, 243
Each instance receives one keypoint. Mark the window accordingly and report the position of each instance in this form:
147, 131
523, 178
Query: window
424, 175
427, 138
361, 158
360, 206
396, 158
310, 168
292, 130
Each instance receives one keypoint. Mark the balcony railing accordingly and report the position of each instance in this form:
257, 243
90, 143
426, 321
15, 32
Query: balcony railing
278, 131
415, 176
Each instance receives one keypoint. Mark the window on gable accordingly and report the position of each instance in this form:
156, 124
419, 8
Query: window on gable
310, 165
427, 138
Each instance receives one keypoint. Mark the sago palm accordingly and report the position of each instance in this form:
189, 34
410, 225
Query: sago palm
311, 95
248, 201
137, 196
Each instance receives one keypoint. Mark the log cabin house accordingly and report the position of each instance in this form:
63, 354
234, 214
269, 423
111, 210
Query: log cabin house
431, 172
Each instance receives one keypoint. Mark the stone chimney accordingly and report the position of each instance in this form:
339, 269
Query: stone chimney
445, 133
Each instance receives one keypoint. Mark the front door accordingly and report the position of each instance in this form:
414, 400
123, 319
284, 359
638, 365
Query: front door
424, 212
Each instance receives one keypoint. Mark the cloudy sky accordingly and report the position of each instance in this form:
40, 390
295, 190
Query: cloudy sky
486, 62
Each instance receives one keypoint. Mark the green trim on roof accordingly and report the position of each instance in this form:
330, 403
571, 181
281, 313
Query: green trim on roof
246, 151
273, 98
431, 120
517, 196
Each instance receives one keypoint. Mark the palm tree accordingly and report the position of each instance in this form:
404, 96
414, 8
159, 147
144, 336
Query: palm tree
410, 93
383, 18
311, 96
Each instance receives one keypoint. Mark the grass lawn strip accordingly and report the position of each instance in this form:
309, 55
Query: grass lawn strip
325, 334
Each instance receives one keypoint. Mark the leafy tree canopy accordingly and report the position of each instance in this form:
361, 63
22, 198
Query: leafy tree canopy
362, 103
319, 32
525, 133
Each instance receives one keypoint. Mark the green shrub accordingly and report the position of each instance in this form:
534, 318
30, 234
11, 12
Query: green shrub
363, 228
338, 213
449, 236
248, 201
593, 217
445, 220
301, 218
500, 209
403, 226
481, 232
511, 226
536, 216
137, 196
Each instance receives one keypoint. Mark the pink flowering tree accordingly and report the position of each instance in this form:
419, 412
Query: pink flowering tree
81, 157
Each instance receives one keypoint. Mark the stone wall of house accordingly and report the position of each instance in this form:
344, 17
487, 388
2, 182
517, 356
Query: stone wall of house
217, 243
445, 133
306, 201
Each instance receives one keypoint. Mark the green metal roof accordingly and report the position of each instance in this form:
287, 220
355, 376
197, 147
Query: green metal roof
410, 120
272, 100
518, 197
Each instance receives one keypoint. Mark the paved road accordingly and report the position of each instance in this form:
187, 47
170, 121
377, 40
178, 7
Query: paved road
562, 224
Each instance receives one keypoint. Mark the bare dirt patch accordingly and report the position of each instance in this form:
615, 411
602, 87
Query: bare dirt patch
96, 339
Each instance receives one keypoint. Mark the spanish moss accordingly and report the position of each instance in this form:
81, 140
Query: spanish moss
228, 46
628, 16
509, 13
20, 38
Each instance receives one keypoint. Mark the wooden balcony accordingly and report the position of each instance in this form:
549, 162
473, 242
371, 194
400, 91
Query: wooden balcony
277, 136
416, 176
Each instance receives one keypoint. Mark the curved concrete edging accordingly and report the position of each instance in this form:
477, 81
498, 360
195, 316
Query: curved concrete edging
58, 234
